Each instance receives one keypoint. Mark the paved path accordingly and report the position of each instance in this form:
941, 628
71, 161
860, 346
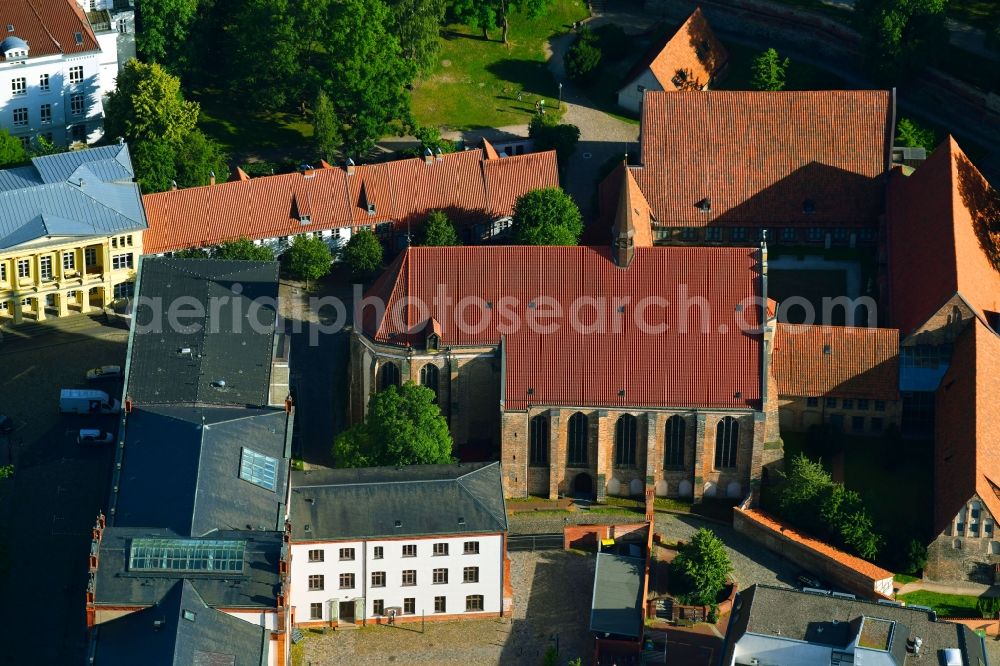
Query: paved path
971, 589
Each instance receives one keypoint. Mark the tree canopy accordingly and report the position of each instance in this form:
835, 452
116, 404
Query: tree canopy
363, 253
546, 217
309, 258
326, 129
910, 133
700, 570
901, 37
439, 231
487, 14
242, 250
163, 29
769, 71
547, 133
11, 151
417, 24
583, 57
147, 104
404, 426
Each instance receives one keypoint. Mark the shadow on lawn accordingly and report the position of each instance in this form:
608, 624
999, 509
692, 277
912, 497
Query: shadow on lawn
532, 76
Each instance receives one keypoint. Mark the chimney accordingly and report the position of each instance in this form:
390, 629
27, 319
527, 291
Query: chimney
211, 177
428, 156
173, 186
438, 154
349, 166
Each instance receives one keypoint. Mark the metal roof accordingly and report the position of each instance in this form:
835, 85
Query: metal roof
616, 607
340, 504
180, 630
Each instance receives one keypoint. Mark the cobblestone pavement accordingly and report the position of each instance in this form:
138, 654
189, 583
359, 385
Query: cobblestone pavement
752, 563
551, 599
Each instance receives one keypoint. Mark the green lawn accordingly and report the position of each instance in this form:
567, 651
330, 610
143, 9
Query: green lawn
903, 579
945, 605
894, 478
981, 13
476, 82
799, 75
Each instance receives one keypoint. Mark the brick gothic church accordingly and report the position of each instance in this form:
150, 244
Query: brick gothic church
628, 396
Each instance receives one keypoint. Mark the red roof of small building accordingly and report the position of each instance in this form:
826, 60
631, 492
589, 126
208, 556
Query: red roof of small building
967, 427
758, 157
463, 184
692, 366
939, 239
837, 361
693, 50
48, 26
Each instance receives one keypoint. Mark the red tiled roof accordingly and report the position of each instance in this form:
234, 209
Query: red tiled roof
861, 363
938, 218
624, 367
693, 49
967, 427
48, 26
463, 183
758, 156
863, 567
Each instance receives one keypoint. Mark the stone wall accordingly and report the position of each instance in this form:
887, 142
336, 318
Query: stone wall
797, 416
963, 554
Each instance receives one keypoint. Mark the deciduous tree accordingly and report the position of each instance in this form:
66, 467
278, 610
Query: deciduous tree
147, 104
439, 231
546, 217
547, 133
242, 250
486, 14
910, 133
363, 253
154, 164
326, 128
701, 568
163, 27
196, 158
309, 258
901, 37
769, 71
11, 150
417, 25
404, 426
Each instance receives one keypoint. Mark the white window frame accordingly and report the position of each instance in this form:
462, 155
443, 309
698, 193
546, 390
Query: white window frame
69, 261
44, 84
121, 261
45, 114
3, 271
77, 104
45, 268
76, 74
19, 86
20, 117
24, 268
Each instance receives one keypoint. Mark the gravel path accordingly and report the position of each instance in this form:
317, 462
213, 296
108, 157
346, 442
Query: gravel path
551, 598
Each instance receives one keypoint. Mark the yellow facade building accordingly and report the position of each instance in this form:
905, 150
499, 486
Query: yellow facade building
70, 233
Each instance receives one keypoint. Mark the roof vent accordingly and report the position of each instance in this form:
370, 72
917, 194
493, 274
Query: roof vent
621, 393
705, 205
808, 206
184, 350
461, 520
739, 307
398, 524
531, 391
10, 27
827, 350
219, 383
78, 38
738, 395
158, 624
189, 615
307, 527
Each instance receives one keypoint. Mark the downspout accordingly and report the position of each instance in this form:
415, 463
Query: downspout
765, 343
892, 134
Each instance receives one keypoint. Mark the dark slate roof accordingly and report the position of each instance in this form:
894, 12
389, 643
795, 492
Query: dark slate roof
238, 354
425, 499
616, 606
80, 193
836, 622
181, 469
257, 586
210, 638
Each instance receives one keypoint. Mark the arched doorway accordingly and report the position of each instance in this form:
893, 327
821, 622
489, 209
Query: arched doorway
583, 486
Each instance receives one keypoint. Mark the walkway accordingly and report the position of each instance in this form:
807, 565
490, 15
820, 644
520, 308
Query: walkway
970, 589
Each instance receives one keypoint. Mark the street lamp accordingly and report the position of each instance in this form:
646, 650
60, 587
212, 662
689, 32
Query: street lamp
560, 95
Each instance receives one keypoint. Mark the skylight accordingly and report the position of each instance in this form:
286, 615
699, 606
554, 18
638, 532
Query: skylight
258, 469
195, 555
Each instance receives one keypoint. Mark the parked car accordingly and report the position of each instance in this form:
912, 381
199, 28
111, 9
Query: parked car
6, 425
806, 579
104, 372
93, 436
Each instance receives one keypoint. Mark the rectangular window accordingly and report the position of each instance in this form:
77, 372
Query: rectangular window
347, 581
316, 611
20, 117
880, 405
812, 402
410, 550
378, 606
471, 548
738, 234
316, 582
76, 104
194, 555
863, 404
831, 402
840, 234
988, 528
409, 577
19, 86
848, 403
815, 234
441, 549
378, 579
837, 421
470, 575
76, 74
123, 261
123, 289
868, 234
256, 468
409, 606
440, 576
440, 605
45, 113
69, 261
45, 268
23, 268
316, 555
3, 271
789, 234
347, 554
377, 553
713, 234
473, 602
689, 233
43, 82
876, 424
857, 423
123, 26
78, 132
114, 242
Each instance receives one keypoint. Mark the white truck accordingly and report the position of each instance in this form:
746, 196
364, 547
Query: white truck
86, 401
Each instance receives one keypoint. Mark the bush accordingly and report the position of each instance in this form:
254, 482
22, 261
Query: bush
916, 557
700, 570
909, 133
583, 57
988, 607
613, 41
546, 133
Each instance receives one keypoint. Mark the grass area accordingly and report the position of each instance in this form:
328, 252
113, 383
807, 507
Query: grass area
799, 75
248, 133
945, 605
476, 82
894, 478
903, 579
982, 14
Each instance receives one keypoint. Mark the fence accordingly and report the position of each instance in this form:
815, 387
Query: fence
533, 542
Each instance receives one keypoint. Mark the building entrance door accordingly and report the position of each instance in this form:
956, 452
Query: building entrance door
347, 612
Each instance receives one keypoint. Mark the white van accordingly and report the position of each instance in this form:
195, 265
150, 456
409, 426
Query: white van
86, 401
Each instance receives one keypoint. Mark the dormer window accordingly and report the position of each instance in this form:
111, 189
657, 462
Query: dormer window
78, 38
433, 342
808, 207
305, 219
705, 205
